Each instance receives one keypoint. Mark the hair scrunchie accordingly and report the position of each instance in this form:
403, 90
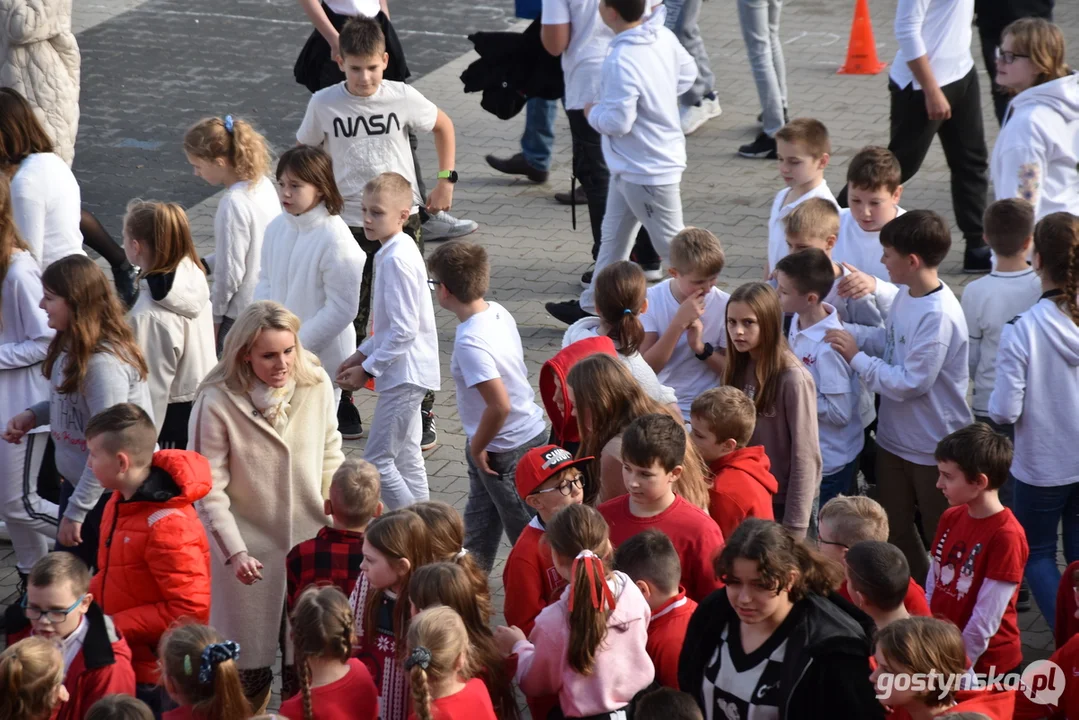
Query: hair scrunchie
230, 125
213, 655
460, 553
419, 656
592, 563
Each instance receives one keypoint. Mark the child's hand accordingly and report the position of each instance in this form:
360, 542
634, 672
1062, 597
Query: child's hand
248, 570
352, 379
937, 105
441, 198
695, 336
19, 426
689, 311
479, 456
355, 359
856, 285
70, 532
843, 343
507, 637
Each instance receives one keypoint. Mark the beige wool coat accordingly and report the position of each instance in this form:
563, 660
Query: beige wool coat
267, 495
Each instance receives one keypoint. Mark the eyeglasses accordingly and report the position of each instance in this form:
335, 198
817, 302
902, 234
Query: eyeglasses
566, 488
433, 284
1006, 57
54, 617
822, 541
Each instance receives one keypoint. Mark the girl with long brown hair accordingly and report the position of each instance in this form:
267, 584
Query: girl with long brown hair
198, 671
439, 665
760, 363
93, 363
31, 680
589, 646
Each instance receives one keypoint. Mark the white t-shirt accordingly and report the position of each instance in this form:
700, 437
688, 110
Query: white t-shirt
938, 29
777, 228
859, 248
989, 303
352, 8
47, 207
582, 61
488, 346
367, 136
684, 373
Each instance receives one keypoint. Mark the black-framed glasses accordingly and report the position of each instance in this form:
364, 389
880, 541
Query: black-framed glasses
55, 617
1007, 57
822, 541
566, 488
433, 284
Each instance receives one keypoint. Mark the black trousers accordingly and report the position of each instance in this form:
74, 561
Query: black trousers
962, 137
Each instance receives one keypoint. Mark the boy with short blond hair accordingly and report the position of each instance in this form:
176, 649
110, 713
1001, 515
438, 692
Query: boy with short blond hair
685, 324
723, 420
874, 187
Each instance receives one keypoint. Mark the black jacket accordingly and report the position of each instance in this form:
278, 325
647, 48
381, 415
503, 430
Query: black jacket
826, 671
995, 15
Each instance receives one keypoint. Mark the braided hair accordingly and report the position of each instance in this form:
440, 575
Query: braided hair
1056, 242
322, 625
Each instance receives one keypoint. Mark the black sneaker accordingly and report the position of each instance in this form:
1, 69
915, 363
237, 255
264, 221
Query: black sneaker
977, 260
568, 311
429, 434
763, 147
348, 418
126, 279
586, 277
1022, 603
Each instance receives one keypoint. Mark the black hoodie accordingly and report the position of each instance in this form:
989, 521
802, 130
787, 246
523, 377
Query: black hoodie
826, 668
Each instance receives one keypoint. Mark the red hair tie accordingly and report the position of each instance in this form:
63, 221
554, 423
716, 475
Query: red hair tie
591, 564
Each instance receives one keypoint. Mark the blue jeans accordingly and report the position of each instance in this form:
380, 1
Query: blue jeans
838, 483
1040, 510
537, 140
682, 19
760, 30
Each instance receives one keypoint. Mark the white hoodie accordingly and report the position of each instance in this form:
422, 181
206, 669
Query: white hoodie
1037, 151
174, 326
1037, 388
239, 225
312, 265
637, 112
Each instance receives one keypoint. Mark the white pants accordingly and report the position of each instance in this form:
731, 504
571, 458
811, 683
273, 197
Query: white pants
393, 446
31, 521
658, 207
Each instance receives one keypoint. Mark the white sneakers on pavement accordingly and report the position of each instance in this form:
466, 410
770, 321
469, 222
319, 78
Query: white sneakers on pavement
693, 116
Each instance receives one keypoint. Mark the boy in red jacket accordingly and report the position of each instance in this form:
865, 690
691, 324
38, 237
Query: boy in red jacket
154, 558
553, 392
97, 660
723, 420
650, 560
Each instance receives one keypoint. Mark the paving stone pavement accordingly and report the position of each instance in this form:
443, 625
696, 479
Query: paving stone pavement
144, 82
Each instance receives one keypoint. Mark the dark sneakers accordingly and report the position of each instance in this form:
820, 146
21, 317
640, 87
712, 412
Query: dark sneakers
763, 147
977, 260
568, 312
429, 433
517, 165
348, 418
577, 198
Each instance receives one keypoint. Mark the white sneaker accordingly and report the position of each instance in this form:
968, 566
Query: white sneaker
693, 116
443, 226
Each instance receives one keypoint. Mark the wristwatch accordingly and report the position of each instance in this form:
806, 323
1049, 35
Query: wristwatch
450, 175
707, 353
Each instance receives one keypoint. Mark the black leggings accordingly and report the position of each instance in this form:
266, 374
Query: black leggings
97, 238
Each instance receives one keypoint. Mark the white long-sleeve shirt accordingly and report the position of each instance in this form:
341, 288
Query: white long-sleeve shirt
239, 225
24, 337
47, 206
939, 29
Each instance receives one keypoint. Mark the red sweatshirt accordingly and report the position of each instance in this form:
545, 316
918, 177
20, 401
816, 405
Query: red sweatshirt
552, 381
666, 633
914, 602
742, 486
1067, 623
1067, 658
995, 705
530, 579
102, 667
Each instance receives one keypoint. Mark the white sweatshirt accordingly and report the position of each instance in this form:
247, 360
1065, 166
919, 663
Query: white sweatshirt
1037, 388
24, 338
859, 248
242, 216
174, 326
638, 367
1037, 150
312, 265
939, 29
47, 206
637, 112
919, 370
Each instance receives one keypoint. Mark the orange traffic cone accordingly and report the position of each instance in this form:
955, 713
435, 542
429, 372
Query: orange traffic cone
862, 51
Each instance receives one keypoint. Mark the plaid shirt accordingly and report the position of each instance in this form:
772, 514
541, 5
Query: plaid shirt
331, 557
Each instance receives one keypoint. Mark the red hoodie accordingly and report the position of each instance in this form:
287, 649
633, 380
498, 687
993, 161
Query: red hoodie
154, 557
102, 667
1067, 623
994, 704
742, 486
1067, 658
556, 369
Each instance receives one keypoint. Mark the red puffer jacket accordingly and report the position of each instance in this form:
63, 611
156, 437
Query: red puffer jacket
154, 557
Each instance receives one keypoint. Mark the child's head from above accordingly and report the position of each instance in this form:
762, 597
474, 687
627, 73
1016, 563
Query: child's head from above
119, 707
21, 132
766, 570
57, 595
322, 627
121, 442
667, 704
198, 668
971, 461
652, 563
847, 520
549, 478
387, 204
723, 420
305, 179
446, 543
917, 645
394, 545
157, 237
814, 223
804, 279
438, 654
697, 259
1009, 227
354, 494
653, 457
263, 346
617, 14
461, 272
446, 583
1037, 47
621, 295
873, 187
1056, 258
913, 243
31, 679
363, 60
226, 149
878, 575
803, 148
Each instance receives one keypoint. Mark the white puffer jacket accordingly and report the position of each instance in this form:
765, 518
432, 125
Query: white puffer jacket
40, 59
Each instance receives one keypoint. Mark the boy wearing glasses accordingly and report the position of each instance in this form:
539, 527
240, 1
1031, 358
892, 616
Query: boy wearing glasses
495, 401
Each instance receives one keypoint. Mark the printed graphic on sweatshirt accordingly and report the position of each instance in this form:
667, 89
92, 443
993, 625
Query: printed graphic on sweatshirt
750, 694
1030, 181
66, 422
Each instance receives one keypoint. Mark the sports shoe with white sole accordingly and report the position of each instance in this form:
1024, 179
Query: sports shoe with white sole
693, 116
443, 226
653, 273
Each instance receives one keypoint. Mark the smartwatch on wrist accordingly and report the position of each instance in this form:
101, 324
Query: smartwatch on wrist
706, 353
450, 175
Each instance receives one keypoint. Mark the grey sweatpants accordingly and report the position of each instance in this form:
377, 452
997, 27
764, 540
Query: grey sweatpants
682, 20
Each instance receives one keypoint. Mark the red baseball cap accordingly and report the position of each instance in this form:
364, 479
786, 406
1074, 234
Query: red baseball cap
540, 464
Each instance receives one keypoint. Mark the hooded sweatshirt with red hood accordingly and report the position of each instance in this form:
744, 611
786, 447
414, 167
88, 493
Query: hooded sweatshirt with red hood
742, 486
553, 385
154, 557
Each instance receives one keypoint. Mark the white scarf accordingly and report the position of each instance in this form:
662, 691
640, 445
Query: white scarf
273, 403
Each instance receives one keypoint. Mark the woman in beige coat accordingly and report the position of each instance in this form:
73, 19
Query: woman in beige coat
266, 420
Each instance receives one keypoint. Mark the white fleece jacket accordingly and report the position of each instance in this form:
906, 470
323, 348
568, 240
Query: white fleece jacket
1037, 388
47, 206
174, 327
637, 113
1037, 151
312, 265
239, 225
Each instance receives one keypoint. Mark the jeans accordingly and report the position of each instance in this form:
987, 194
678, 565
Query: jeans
393, 446
905, 489
537, 140
91, 527
222, 333
682, 20
760, 31
838, 483
1040, 510
493, 502
31, 520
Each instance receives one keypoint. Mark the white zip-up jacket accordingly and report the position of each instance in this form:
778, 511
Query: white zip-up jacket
1037, 151
312, 265
240, 223
174, 326
24, 337
1037, 388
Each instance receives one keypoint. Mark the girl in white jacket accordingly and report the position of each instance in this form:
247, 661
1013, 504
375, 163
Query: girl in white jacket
310, 261
1037, 389
230, 152
172, 319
